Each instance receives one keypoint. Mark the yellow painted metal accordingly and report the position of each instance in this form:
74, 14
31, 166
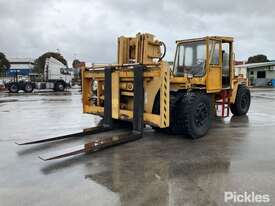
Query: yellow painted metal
234, 92
141, 49
86, 90
115, 95
99, 74
157, 79
223, 38
94, 109
214, 83
214, 71
151, 88
123, 50
149, 118
164, 95
185, 80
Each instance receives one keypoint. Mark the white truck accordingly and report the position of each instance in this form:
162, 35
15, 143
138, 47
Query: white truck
56, 76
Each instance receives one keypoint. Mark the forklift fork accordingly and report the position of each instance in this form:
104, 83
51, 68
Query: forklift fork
108, 122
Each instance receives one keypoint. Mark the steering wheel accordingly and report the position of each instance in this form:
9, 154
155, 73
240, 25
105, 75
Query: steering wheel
199, 61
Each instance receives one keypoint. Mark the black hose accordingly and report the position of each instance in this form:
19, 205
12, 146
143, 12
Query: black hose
164, 51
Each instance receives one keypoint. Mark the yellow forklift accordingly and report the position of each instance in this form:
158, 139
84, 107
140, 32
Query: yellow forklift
142, 89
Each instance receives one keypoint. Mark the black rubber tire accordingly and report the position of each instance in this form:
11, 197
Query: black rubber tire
242, 102
194, 114
184, 115
59, 87
156, 110
14, 87
173, 129
28, 88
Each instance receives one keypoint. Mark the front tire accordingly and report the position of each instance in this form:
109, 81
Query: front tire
242, 102
195, 114
59, 87
190, 114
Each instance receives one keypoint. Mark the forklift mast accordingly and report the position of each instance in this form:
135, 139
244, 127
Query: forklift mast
139, 54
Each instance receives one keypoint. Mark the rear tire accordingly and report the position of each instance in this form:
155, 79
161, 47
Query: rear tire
59, 87
14, 87
242, 102
28, 88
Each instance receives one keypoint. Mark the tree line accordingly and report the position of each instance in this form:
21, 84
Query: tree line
4, 63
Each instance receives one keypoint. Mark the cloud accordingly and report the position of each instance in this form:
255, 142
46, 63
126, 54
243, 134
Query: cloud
88, 29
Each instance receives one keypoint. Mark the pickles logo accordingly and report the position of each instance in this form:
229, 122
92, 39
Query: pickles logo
246, 197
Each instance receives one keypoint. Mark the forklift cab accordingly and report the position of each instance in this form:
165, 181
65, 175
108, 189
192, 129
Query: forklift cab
190, 59
209, 57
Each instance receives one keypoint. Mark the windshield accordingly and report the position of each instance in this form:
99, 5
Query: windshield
190, 59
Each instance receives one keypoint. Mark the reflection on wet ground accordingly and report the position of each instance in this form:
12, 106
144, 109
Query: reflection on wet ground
237, 155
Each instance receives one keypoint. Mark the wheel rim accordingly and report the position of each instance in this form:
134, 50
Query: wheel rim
201, 114
28, 87
60, 87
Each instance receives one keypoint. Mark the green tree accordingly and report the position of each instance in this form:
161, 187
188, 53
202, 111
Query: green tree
40, 61
4, 63
75, 63
258, 58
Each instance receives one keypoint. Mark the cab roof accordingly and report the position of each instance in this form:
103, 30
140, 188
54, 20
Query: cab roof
221, 38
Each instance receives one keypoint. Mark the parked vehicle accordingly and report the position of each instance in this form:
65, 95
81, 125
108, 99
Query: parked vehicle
2, 85
55, 76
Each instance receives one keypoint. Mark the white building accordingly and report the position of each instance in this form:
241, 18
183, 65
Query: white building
258, 74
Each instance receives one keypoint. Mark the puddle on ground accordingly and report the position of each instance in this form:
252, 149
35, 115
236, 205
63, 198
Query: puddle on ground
8, 100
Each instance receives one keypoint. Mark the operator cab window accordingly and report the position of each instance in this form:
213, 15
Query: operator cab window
214, 48
226, 64
190, 59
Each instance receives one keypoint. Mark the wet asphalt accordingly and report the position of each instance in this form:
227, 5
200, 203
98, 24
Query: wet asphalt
238, 155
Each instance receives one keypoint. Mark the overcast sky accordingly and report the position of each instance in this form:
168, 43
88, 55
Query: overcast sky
88, 29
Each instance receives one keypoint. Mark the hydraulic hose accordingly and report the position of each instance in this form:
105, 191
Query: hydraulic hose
164, 51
